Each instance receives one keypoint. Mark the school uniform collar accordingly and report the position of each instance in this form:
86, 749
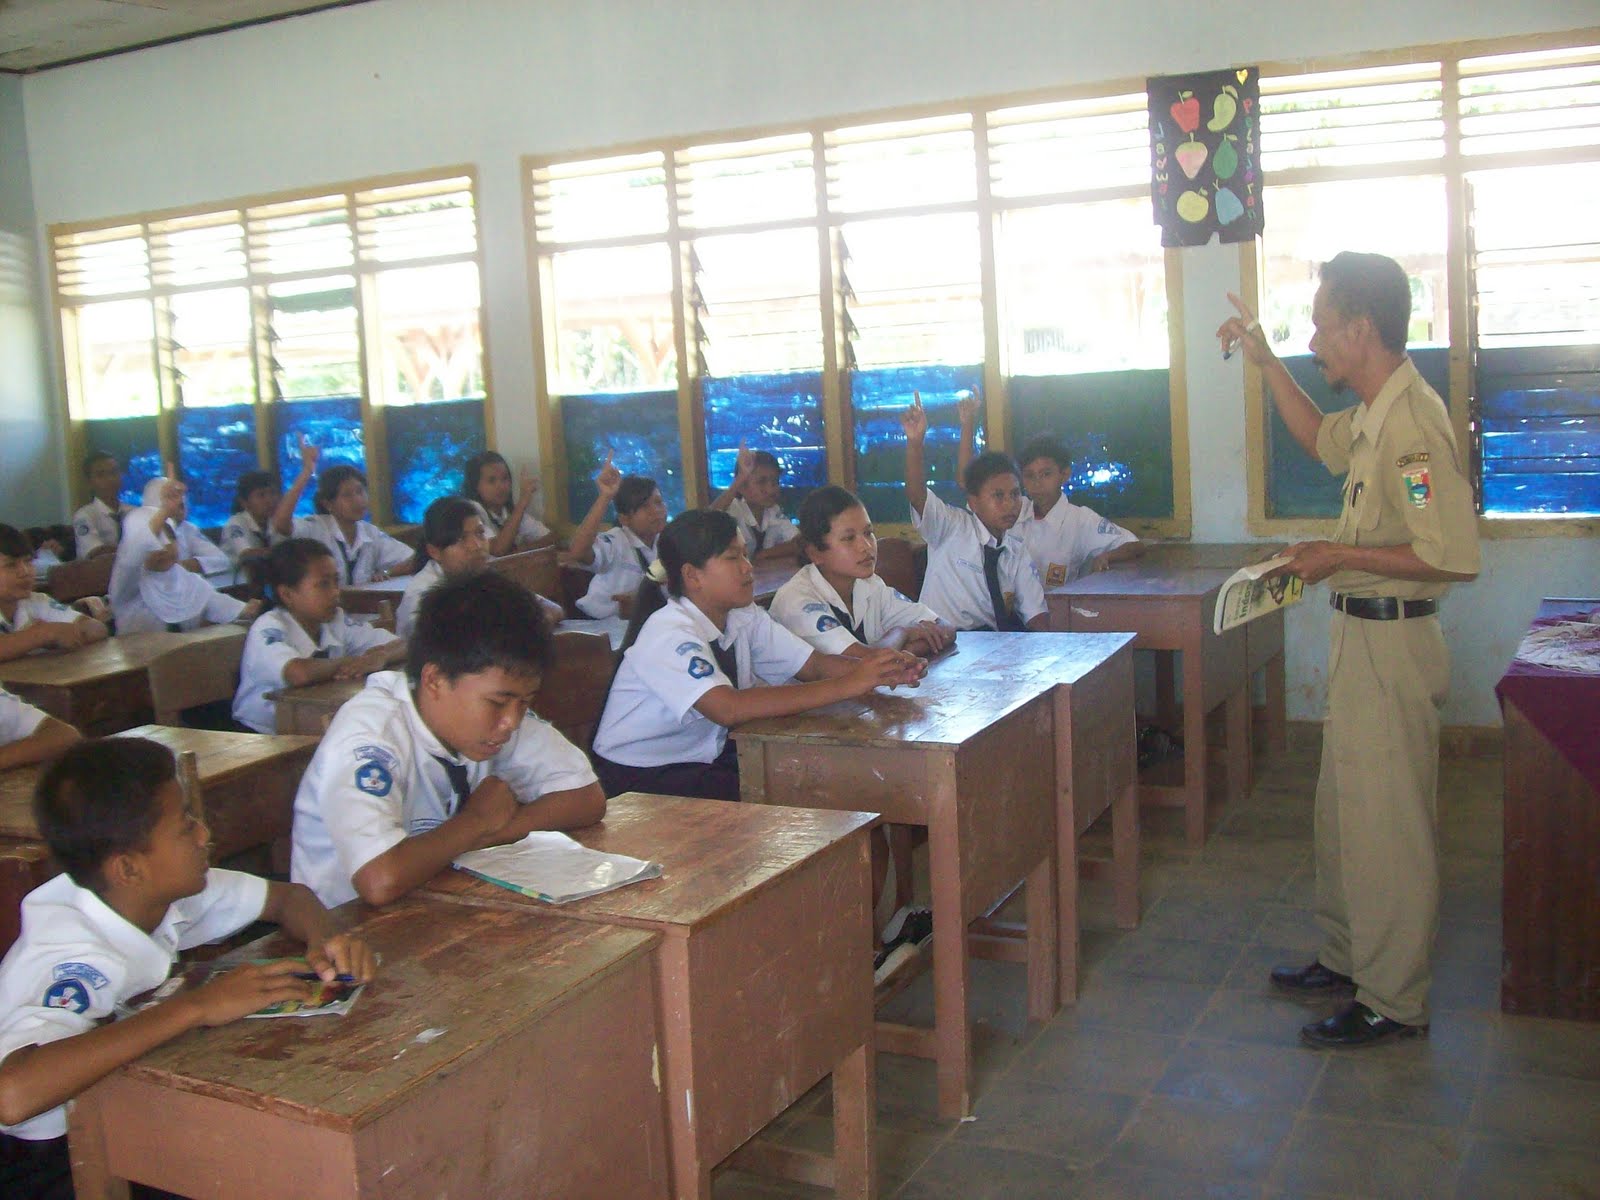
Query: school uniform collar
1369, 419
361, 537
148, 955
704, 626
296, 632
824, 589
395, 684
985, 538
100, 505
1057, 515
634, 540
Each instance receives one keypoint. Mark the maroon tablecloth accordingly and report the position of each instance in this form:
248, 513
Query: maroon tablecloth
1564, 706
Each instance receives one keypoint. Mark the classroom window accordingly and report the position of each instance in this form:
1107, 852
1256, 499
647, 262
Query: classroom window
201, 318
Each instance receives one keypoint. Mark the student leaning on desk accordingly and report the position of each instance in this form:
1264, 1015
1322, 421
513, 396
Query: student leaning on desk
31, 621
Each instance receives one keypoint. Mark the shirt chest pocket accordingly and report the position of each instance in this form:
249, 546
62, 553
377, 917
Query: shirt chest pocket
1366, 505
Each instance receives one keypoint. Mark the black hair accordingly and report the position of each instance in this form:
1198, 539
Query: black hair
331, 480
1045, 446
818, 510
765, 458
690, 539
472, 473
985, 467
96, 456
633, 494
1372, 286
442, 525
249, 482
288, 562
475, 622
98, 799
14, 543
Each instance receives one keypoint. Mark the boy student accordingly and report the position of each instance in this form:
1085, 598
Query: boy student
31, 620
97, 526
443, 758
978, 577
1064, 540
136, 890
752, 500
620, 556
29, 736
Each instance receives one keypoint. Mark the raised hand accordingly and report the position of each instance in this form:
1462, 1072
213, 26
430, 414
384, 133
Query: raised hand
1243, 332
914, 420
173, 491
609, 479
527, 483
743, 465
309, 456
967, 410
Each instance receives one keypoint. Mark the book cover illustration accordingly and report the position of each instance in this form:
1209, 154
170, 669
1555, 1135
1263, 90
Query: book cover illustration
1254, 591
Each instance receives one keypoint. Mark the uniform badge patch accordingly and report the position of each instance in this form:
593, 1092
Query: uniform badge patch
1405, 460
815, 606
68, 994
373, 779
1055, 574
83, 528
272, 636
689, 647
87, 972
825, 623
699, 668
1418, 486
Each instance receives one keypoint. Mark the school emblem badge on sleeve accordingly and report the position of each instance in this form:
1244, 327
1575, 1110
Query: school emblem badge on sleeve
373, 779
1418, 487
699, 668
68, 994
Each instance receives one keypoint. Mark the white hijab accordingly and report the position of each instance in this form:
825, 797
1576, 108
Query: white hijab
172, 596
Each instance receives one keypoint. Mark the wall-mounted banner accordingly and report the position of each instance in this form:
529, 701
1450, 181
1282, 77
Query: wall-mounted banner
1205, 155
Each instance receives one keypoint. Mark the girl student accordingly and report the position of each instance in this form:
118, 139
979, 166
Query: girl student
32, 621
837, 602
364, 553
619, 557
702, 658
249, 533
307, 637
486, 482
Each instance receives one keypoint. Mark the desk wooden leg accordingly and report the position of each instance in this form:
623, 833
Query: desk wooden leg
855, 1107
1044, 984
1236, 714
1277, 703
951, 971
1195, 753
1166, 689
1125, 854
91, 1170
1067, 872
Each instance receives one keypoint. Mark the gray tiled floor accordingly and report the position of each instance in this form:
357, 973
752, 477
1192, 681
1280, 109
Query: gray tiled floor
1178, 1073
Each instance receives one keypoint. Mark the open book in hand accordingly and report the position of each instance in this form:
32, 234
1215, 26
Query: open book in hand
552, 867
1254, 591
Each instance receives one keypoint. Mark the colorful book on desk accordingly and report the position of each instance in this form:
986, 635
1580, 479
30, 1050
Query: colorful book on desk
552, 867
1254, 591
326, 999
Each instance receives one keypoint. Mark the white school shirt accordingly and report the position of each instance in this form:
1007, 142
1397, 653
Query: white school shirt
1065, 538
39, 607
805, 607
275, 640
95, 525
77, 959
955, 586
778, 528
418, 586
374, 781
529, 529
241, 533
358, 561
146, 601
650, 718
18, 718
617, 571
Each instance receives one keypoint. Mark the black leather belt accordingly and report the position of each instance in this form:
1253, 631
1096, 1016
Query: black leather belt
1382, 608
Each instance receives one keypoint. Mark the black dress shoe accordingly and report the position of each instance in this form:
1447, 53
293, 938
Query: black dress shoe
1313, 980
1356, 1025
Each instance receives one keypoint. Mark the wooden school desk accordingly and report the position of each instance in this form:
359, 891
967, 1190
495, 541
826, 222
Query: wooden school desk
248, 781
770, 576
308, 709
764, 973
494, 1055
366, 597
101, 688
969, 756
1170, 609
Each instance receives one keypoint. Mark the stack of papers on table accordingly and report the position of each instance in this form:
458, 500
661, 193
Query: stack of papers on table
552, 867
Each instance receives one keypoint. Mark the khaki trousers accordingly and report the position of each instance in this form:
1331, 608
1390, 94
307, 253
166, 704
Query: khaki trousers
1377, 895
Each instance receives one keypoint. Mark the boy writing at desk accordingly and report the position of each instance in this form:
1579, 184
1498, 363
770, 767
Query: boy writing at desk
442, 758
136, 890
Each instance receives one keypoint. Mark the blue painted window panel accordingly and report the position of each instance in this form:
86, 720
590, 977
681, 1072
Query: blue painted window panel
639, 429
780, 413
333, 423
215, 447
877, 397
1117, 427
1299, 485
429, 444
1539, 430
136, 441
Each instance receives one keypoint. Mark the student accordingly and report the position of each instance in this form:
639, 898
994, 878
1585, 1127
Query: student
307, 638
364, 552
620, 556
97, 526
441, 759
752, 500
690, 665
159, 578
136, 890
249, 534
31, 621
29, 735
978, 578
487, 483
453, 544
837, 602
1064, 539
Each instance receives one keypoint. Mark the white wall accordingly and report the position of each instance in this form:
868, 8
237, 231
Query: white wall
31, 491
404, 84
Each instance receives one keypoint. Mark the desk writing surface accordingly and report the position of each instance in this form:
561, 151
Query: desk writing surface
113, 656
770, 576
1155, 578
477, 974
1231, 555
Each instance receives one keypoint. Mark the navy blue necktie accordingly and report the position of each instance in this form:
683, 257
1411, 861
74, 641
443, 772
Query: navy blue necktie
1004, 619
459, 783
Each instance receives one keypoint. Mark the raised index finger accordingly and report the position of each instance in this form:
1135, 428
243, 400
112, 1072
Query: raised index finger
1242, 307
